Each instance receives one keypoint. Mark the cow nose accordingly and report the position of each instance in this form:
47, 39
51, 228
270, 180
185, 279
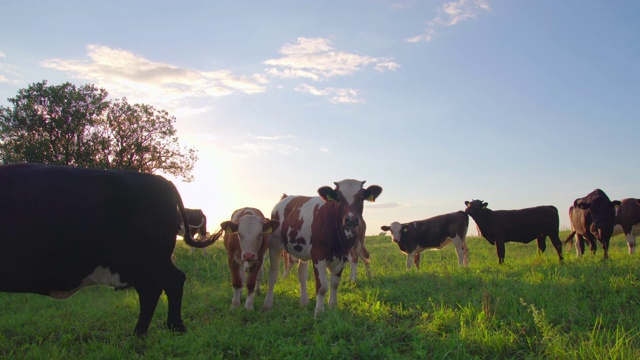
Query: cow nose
351, 221
249, 256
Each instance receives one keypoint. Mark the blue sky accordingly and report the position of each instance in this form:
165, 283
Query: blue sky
518, 103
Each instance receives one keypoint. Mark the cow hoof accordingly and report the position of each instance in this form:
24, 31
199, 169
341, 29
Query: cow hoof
177, 328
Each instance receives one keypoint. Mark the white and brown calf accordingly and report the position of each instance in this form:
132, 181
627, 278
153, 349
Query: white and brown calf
246, 240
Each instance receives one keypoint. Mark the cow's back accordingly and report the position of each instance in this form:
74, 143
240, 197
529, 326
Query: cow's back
529, 222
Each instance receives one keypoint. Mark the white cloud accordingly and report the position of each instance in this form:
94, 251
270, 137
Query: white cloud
2, 55
335, 96
258, 145
316, 59
124, 73
3, 79
451, 13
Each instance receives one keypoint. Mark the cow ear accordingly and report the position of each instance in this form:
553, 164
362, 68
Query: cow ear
484, 205
616, 203
372, 192
229, 226
467, 203
270, 226
385, 228
328, 194
405, 228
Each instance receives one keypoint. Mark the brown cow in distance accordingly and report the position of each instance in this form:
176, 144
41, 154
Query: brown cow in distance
432, 234
246, 240
523, 225
628, 221
319, 229
593, 218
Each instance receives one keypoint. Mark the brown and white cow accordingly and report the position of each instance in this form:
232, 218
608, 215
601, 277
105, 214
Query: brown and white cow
357, 252
628, 221
431, 234
319, 229
593, 218
197, 226
246, 238
523, 225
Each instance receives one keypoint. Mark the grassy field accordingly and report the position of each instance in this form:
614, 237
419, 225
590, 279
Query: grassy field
531, 307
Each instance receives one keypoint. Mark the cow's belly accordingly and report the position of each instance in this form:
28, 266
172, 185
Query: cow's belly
440, 246
617, 230
100, 276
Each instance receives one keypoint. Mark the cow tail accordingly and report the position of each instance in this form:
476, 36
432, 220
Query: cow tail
187, 234
570, 239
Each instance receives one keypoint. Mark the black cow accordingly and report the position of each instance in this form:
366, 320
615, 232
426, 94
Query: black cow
431, 234
593, 217
523, 225
64, 228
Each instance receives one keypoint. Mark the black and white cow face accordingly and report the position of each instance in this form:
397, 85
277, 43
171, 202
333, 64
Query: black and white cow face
399, 236
350, 195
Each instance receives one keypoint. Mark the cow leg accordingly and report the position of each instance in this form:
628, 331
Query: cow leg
148, 297
631, 242
174, 291
500, 250
579, 245
303, 270
251, 285
461, 250
364, 255
274, 267
416, 260
353, 261
334, 282
542, 243
557, 243
322, 284
592, 243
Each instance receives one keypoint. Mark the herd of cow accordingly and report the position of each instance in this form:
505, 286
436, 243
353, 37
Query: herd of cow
64, 228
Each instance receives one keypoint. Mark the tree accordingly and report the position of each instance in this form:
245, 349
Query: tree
78, 126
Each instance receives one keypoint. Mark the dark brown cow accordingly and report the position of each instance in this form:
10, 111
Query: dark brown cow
197, 226
322, 230
523, 225
432, 234
64, 228
246, 240
593, 218
628, 221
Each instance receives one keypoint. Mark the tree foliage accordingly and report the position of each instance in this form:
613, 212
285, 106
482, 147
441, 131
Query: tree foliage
78, 126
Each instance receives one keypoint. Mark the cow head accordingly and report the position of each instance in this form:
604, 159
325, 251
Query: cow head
398, 235
475, 207
603, 213
350, 196
252, 233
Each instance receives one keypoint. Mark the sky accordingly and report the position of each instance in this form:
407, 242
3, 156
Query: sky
517, 103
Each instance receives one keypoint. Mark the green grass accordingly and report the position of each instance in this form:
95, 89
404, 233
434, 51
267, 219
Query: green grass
531, 307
